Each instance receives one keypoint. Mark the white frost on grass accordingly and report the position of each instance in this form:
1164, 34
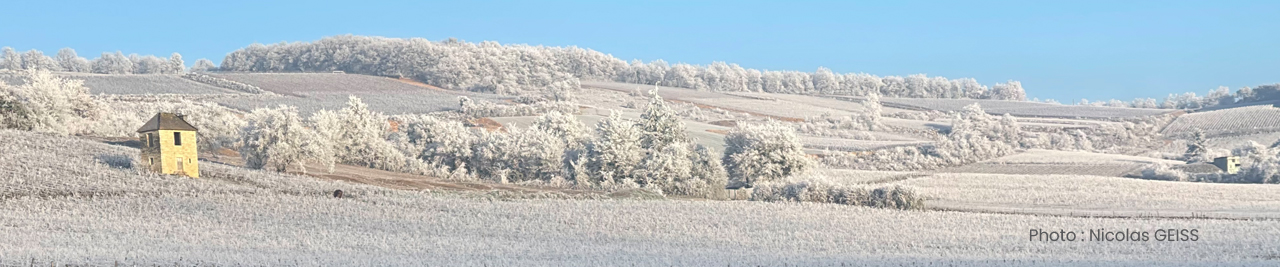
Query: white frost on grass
1021, 108
1242, 120
1041, 156
240, 217
1080, 194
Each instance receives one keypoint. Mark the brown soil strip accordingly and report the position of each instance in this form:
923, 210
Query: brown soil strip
488, 124
419, 84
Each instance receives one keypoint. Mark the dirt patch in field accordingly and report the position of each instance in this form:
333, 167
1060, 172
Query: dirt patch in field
419, 84
718, 131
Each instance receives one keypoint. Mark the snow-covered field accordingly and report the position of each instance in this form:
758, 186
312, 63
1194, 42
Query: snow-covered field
1235, 141
312, 92
1041, 156
1052, 162
239, 217
841, 144
1242, 120
310, 83
759, 103
1019, 108
386, 103
1097, 196
137, 84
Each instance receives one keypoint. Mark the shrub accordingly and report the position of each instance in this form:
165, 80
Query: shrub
819, 190
359, 136
119, 161
481, 109
1163, 172
278, 138
764, 152
47, 103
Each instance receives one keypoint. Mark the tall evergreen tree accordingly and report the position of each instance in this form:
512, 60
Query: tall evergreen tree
661, 126
617, 149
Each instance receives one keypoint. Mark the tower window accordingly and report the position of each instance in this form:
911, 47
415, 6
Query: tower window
177, 139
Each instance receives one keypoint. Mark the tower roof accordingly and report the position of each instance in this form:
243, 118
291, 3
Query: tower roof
166, 121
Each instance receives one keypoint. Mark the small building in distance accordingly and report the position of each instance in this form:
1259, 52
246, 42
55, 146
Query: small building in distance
169, 145
1230, 165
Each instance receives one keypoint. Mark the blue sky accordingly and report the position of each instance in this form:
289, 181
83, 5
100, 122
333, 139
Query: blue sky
1065, 50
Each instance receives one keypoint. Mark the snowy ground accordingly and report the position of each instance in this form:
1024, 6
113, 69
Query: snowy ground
59, 207
1053, 162
1097, 196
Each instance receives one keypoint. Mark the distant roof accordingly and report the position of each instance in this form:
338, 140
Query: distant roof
166, 121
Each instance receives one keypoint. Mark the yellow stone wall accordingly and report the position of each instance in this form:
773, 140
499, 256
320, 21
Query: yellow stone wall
165, 157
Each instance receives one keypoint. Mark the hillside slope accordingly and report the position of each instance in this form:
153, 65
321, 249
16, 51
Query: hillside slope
60, 207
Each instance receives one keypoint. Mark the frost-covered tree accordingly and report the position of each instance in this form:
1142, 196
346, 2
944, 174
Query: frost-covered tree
69, 61
565, 90
616, 151
175, 64
438, 142
522, 69
1011, 90
219, 127
1220, 96
871, 118
666, 165
1145, 103
203, 65
110, 63
563, 125
1198, 146
825, 82
661, 126
763, 152
47, 103
519, 155
277, 138
149, 65
1245, 94
708, 175
358, 136
36, 60
1266, 92
10, 59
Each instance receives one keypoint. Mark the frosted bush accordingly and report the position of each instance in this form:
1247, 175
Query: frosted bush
436, 141
278, 138
1160, 171
763, 152
358, 136
974, 136
47, 103
478, 109
520, 155
820, 189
